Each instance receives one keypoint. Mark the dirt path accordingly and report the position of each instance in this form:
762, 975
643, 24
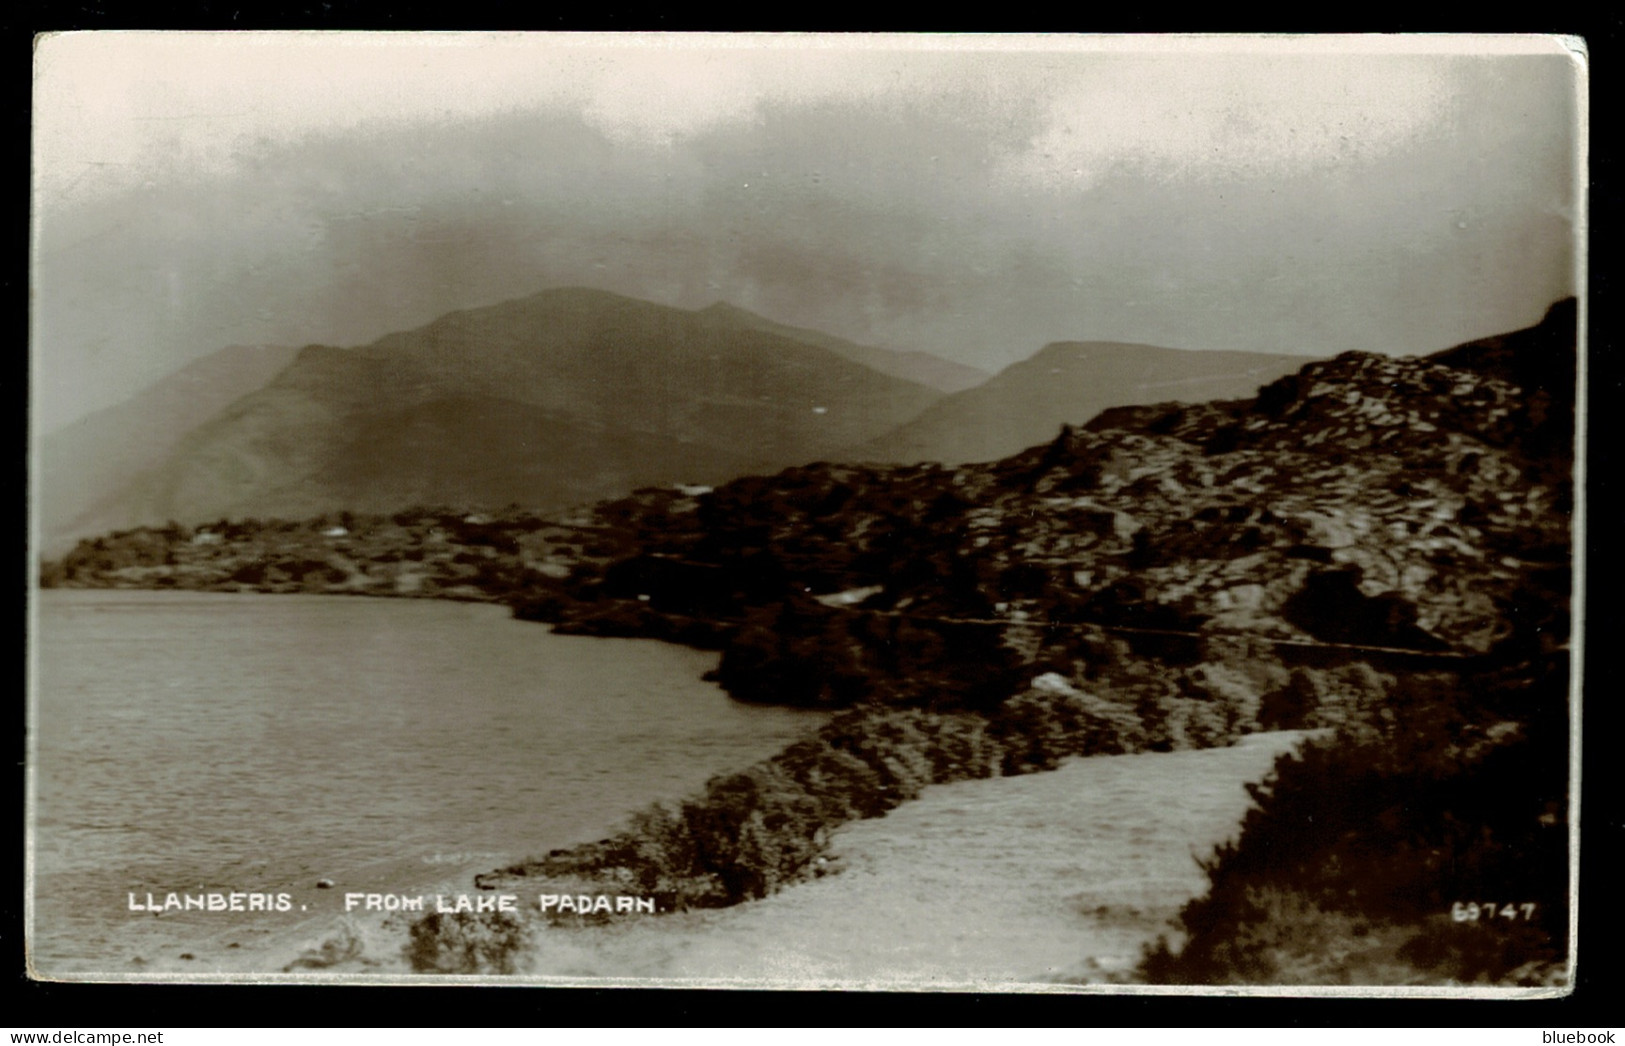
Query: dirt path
1051, 876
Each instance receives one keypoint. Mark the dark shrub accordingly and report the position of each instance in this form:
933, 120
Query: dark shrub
1429, 800
1290, 706
462, 942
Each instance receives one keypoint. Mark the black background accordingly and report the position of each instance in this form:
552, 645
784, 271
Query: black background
47, 1006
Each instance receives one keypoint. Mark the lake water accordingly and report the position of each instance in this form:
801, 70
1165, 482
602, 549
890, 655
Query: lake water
201, 742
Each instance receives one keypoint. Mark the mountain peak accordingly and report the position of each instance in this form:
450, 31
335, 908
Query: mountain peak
579, 394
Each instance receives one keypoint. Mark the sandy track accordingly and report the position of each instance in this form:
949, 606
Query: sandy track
1051, 876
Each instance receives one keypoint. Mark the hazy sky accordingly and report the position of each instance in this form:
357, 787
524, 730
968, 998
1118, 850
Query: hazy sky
976, 197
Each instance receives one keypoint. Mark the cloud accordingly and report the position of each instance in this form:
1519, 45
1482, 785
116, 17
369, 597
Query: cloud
1250, 116
121, 111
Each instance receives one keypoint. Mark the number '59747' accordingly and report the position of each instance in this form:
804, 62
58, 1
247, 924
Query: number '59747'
1470, 912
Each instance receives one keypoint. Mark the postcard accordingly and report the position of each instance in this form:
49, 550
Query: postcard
920, 512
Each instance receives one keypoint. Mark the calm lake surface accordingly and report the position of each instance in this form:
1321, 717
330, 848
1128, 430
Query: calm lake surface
258, 743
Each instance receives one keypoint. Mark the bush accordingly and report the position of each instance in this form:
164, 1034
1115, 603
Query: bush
463, 942
843, 786
1203, 723
1233, 691
961, 747
1429, 799
344, 946
752, 831
1289, 707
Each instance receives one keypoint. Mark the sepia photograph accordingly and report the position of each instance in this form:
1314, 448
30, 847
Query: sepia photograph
905, 512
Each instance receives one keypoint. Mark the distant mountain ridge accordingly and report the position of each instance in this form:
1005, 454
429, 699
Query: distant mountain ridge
574, 395
595, 393
1068, 383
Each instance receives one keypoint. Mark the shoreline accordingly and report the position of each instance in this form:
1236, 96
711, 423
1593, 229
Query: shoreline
1055, 879
423, 863
265, 947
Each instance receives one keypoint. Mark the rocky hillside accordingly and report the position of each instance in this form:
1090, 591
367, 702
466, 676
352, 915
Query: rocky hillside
1067, 383
566, 396
1366, 501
